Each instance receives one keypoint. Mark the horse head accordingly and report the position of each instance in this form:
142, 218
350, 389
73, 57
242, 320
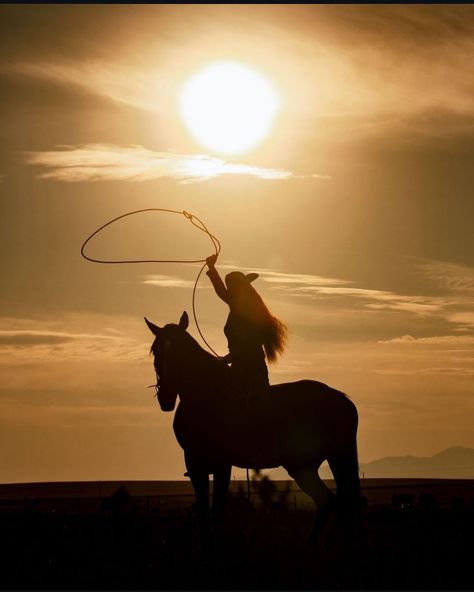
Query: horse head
166, 361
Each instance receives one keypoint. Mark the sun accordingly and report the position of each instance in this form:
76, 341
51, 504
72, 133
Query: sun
228, 107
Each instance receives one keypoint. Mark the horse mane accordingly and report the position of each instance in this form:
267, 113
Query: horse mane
203, 357
192, 344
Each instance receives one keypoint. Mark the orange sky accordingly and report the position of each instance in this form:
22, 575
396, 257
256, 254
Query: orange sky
356, 210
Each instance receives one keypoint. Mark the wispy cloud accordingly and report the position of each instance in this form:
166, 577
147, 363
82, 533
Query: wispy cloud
451, 306
448, 340
444, 274
167, 281
109, 162
443, 355
284, 278
23, 338
424, 45
67, 339
118, 82
317, 286
276, 277
14, 412
422, 306
457, 282
464, 319
332, 57
432, 370
70, 352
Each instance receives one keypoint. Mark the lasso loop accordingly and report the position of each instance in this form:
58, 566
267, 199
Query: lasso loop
195, 221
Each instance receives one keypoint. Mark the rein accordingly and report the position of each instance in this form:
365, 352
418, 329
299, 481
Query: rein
195, 221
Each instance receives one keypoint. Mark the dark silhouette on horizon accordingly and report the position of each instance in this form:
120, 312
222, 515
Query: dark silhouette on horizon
74, 544
298, 426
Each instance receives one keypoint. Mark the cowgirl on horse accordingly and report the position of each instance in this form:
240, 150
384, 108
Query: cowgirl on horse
254, 335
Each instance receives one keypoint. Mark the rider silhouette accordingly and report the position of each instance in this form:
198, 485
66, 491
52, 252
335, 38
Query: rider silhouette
252, 332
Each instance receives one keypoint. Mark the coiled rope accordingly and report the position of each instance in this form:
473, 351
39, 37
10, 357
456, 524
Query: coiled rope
195, 221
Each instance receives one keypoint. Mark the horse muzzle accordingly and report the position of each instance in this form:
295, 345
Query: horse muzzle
166, 401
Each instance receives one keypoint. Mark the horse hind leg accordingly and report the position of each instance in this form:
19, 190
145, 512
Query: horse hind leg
310, 482
345, 468
350, 525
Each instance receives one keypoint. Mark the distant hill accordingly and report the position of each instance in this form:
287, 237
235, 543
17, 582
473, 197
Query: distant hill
456, 462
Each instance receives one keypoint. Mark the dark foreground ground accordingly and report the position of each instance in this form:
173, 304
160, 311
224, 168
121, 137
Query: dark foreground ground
404, 546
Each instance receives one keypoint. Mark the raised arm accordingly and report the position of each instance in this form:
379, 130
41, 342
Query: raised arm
216, 280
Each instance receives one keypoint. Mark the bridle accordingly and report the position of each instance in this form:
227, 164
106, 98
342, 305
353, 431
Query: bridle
164, 385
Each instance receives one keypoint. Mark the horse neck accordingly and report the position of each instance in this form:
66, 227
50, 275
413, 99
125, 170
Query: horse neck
200, 370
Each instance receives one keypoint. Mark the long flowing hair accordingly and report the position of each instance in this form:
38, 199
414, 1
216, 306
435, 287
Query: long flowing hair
247, 303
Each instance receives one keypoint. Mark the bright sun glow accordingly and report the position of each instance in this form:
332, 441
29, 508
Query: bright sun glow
229, 108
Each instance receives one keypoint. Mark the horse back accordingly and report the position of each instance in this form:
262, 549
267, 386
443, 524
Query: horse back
312, 399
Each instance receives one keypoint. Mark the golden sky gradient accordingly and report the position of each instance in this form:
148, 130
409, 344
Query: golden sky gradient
356, 210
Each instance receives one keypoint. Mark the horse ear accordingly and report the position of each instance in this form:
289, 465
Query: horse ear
153, 328
184, 321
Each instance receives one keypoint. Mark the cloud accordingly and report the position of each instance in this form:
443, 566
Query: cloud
317, 286
285, 278
465, 319
455, 340
438, 355
109, 162
411, 304
69, 339
118, 82
435, 370
16, 413
457, 281
425, 90
275, 277
167, 281
451, 308
23, 338
451, 276
66, 362
28, 339
329, 61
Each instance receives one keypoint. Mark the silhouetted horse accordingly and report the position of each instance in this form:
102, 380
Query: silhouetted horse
297, 425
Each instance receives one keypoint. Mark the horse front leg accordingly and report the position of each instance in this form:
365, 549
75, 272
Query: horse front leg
220, 489
200, 481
